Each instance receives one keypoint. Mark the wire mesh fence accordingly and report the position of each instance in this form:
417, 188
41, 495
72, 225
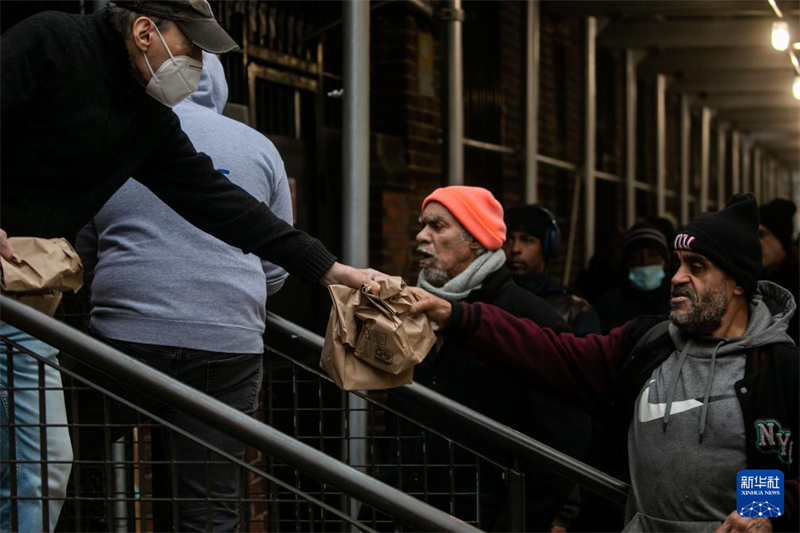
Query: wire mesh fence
128, 468
138, 465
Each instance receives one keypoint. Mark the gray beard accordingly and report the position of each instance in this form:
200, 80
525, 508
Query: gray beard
704, 318
436, 276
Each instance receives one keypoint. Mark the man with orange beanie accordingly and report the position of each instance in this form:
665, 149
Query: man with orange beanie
461, 243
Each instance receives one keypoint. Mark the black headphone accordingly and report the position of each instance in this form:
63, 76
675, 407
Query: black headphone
552, 234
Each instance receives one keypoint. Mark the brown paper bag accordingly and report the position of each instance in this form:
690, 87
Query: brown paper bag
44, 270
371, 342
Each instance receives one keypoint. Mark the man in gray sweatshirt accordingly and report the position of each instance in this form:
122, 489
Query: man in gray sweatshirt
186, 303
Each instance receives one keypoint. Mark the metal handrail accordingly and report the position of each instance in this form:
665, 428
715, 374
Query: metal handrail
476, 423
224, 418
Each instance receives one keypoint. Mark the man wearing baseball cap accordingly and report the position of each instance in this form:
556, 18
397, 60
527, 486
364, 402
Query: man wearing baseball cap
462, 260
691, 401
85, 104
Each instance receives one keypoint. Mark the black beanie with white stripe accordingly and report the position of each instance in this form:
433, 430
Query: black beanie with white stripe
729, 238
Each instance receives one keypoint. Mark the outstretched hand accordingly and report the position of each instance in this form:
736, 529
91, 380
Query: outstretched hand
5, 247
735, 523
438, 310
355, 278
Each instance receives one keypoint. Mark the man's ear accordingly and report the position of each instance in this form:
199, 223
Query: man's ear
142, 33
737, 289
474, 244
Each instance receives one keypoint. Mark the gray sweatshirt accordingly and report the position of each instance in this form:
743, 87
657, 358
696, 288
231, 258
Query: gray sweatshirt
701, 443
156, 279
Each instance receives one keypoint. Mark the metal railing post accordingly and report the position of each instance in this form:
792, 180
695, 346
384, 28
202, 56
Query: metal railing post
590, 135
532, 46
630, 138
736, 164
705, 156
455, 94
756, 166
355, 175
721, 164
686, 153
516, 501
661, 145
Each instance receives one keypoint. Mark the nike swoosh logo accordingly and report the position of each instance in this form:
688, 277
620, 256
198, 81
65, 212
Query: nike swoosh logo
656, 411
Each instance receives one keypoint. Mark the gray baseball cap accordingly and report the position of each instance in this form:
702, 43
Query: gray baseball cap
194, 18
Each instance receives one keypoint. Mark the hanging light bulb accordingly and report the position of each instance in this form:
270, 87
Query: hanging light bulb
780, 35
796, 87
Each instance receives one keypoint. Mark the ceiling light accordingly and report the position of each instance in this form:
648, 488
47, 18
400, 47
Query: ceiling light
780, 35
796, 87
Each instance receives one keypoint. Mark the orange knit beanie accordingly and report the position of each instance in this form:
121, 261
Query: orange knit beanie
476, 209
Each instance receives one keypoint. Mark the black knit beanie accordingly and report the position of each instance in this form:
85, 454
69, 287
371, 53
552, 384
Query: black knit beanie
778, 217
531, 219
644, 235
729, 238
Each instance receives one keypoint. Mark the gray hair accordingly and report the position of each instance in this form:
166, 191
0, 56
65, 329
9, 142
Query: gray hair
466, 236
121, 20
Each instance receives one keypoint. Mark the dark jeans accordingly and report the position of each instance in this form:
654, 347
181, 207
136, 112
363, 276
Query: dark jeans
198, 474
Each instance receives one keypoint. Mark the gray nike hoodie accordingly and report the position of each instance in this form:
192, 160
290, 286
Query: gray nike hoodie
688, 429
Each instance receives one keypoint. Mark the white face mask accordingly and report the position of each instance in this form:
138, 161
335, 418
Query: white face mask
176, 79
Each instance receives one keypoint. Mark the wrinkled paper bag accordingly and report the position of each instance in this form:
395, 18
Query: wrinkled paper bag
45, 269
371, 342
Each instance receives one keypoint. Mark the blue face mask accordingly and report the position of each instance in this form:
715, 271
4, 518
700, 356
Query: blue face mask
647, 278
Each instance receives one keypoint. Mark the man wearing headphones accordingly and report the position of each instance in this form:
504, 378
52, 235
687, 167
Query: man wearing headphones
533, 240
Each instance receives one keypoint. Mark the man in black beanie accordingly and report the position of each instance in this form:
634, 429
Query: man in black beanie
690, 401
780, 261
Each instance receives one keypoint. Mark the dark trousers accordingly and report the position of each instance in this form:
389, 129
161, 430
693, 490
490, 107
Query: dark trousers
208, 486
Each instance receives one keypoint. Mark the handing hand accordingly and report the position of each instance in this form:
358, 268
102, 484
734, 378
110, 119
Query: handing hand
5, 248
736, 523
438, 310
355, 278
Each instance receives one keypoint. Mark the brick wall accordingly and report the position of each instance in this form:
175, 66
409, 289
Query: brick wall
399, 110
561, 126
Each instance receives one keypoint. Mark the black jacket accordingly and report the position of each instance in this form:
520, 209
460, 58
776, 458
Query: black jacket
574, 310
75, 125
509, 400
626, 303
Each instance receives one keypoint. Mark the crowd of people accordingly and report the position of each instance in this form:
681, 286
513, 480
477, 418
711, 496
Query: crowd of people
113, 137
